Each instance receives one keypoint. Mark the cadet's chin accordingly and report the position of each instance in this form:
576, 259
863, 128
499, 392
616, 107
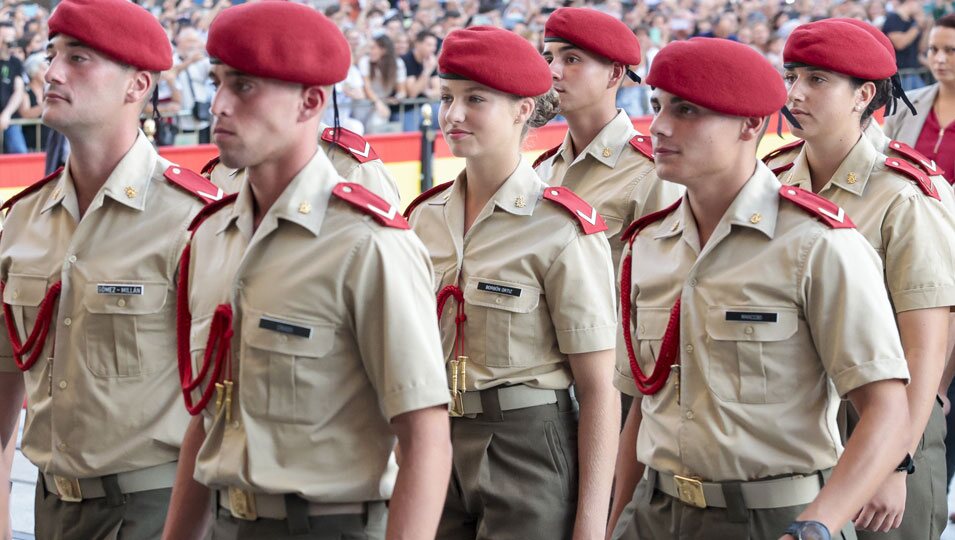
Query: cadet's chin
231, 160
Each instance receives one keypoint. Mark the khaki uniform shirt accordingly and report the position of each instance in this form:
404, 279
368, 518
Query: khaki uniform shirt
535, 287
104, 396
881, 141
913, 233
618, 181
311, 409
370, 174
757, 398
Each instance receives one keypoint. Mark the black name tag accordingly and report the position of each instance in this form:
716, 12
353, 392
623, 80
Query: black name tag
750, 316
119, 289
284, 327
499, 289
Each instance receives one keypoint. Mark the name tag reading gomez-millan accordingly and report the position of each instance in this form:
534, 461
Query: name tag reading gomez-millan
119, 289
751, 316
285, 327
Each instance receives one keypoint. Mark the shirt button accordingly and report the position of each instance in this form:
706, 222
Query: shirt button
121, 302
689, 415
16, 294
643, 329
67, 321
72, 259
692, 282
748, 330
689, 348
241, 283
63, 385
235, 424
61, 446
497, 300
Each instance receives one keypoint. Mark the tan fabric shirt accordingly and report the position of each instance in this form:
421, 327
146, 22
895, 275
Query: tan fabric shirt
535, 287
618, 181
757, 398
108, 401
370, 174
913, 233
881, 141
311, 412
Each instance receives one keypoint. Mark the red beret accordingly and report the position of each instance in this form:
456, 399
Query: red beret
117, 28
280, 40
496, 58
840, 47
719, 74
594, 31
872, 30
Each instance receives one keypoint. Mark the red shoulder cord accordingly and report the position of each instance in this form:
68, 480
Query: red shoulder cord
218, 346
443, 296
648, 385
37, 338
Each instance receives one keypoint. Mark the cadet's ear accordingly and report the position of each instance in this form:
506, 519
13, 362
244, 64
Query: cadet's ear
313, 101
140, 86
753, 128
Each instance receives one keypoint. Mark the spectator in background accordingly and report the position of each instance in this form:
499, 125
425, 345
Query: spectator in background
352, 101
402, 44
384, 75
192, 71
633, 97
31, 106
904, 27
11, 91
421, 65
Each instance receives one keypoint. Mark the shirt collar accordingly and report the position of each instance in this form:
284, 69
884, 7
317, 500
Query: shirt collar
521, 191
608, 145
303, 202
852, 175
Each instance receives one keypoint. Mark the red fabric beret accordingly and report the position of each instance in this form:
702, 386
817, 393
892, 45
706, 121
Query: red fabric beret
117, 28
594, 31
719, 74
840, 47
496, 58
280, 40
872, 30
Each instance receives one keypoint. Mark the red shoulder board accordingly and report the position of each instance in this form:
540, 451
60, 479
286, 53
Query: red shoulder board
425, 196
371, 204
782, 150
590, 221
210, 209
351, 142
194, 183
825, 210
921, 179
546, 155
646, 220
783, 168
211, 164
917, 158
643, 144
30, 189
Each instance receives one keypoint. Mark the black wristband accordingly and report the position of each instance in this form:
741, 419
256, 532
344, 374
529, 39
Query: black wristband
808, 530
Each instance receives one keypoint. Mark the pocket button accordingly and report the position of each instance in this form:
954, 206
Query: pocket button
121, 302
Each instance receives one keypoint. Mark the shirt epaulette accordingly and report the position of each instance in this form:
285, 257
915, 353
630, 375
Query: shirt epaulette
31, 189
210, 209
643, 145
425, 196
207, 168
352, 143
783, 168
916, 158
371, 204
921, 179
545, 156
821, 208
193, 183
590, 221
782, 150
646, 220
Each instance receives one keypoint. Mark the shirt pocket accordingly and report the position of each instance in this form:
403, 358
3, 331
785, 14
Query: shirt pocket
749, 356
24, 293
650, 328
506, 318
286, 377
129, 329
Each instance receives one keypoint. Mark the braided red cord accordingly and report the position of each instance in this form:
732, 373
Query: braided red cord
648, 385
37, 338
453, 291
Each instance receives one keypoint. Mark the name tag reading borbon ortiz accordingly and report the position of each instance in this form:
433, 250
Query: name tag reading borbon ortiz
499, 289
120, 289
285, 327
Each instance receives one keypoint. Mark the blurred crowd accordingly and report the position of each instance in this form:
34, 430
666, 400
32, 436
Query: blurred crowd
394, 46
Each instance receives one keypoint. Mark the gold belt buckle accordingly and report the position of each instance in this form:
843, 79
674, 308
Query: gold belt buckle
242, 504
68, 488
690, 491
458, 385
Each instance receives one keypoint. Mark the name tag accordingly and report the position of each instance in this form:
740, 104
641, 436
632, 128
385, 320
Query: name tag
119, 289
499, 289
750, 316
284, 327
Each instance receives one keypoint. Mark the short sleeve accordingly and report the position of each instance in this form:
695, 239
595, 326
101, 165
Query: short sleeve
580, 292
395, 321
848, 312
